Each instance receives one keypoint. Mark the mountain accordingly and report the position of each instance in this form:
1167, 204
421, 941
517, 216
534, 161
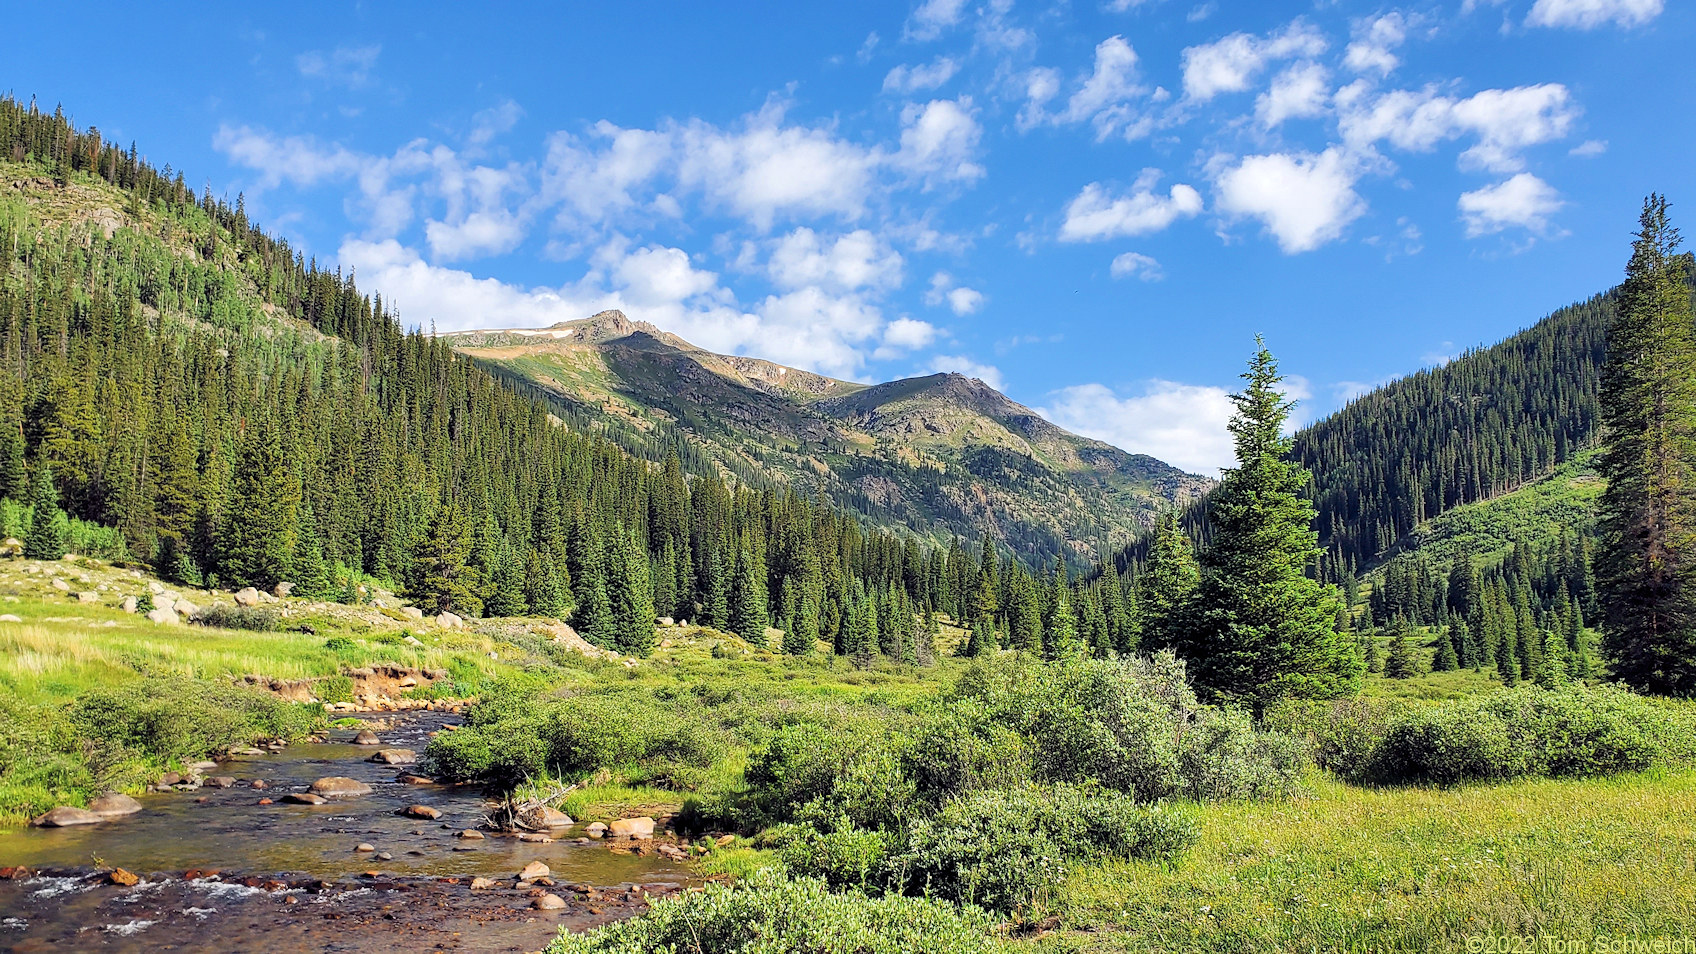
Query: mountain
942, 454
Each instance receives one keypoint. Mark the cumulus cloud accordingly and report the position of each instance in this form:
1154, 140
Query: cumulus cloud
491, 122
921, 78
1137, 265
1590, 14
960, 364
1095, 214
906, 334
1374, 44
851, 262
299, 161
1505, 121
1589, 148
349, 66
1300, 92
1181, 424
932, 18
938, 140
767, 169
1304, 200
1230, 64
1523, 201
960, 300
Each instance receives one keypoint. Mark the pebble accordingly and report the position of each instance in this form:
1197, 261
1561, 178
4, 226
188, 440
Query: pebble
470, 834
364, 847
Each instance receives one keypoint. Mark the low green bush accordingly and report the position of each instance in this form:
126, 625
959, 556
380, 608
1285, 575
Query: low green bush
184, 720
1342, 735
333, 689
1006, 849
1573, 731
255, 618
770, 913
845, 857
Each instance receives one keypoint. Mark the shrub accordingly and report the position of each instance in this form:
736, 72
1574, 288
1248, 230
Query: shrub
255, 618
1528, 730
1005, 849
333, 689
814, 773
1341, 735
181, 720
1135, 726
770, 913
844, 857
340, 644
962, 751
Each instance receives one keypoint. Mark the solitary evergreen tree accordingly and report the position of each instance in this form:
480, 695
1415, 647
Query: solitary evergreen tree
748, 600
1266, 628
1646, 566
1552, 669
1447, 658
1061, 639
1400, 663
443, 579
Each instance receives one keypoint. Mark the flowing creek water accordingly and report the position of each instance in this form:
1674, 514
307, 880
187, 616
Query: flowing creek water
221, 872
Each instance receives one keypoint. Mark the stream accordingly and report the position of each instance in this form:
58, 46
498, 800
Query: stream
221, 872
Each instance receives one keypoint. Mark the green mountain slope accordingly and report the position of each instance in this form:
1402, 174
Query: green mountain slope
942, 454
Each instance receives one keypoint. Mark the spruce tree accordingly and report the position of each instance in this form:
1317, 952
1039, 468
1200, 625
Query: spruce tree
506, 589
748, 613
443, 580
1267, 629
1552, 669
311, 575
257, 536
1167, 589
631, 596
1646, 565
592, 610
541, 586
49, 532
1060, 637
14, 471
1401, 662
1448, 653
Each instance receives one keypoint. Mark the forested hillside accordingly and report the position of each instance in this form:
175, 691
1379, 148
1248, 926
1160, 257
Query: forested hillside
243, 416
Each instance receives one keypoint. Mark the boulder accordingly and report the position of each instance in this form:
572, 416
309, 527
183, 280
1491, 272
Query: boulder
130, 604
163, 615
114, 805
534, 870
260, 785
10, 618
185, 608
248, 596
303, 798
367, 737
534, 838
155, 587
544, 817
340, 786
548, 902
365, 847
633, 828
407, 778
470, 834
60, 585
170, 778
282, 589
394, 757
221, 781
482, 884
65, 816
673, 852
122, 878
88, 596
596, 830
421, 811
412, 612
449, 621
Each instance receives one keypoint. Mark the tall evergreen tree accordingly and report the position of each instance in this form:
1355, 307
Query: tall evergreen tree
542, 590
1266, 628
49, 532
1400, 663
1167, 589
631, 595
443, 579
1646, 570
1060, 637
256, 538
748, 599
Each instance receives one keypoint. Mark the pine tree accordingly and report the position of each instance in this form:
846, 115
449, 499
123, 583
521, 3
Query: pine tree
1167, 589
592, 610
443, 579
14, 471
1552, 670
49, 531
748, 599
1646, 567
631, 596
1267, 629
542, 590
1060, 636
862, 629
257, 536
1401, 662
311, 575
1455, 646
506, 588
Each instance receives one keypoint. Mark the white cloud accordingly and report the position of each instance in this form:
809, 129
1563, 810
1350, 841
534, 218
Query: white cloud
960, 300
960, 364
1095, 214
298, 160
593, 182
1042, 84
915, 79
491, 122
1505, 121
852, 262
906, 334
1300, 92
1589, 14
1181, 424
938, 140
1304, 200
1228, 65
1523, 201
1375, 40
1137, 265
933, 18
768, 169
349, 66
1589, 148
1111, 84
491, 232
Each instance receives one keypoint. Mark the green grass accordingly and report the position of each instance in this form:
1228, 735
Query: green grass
1412, 869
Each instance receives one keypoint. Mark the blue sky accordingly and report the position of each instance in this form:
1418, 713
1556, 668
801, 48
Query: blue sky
1094, 205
